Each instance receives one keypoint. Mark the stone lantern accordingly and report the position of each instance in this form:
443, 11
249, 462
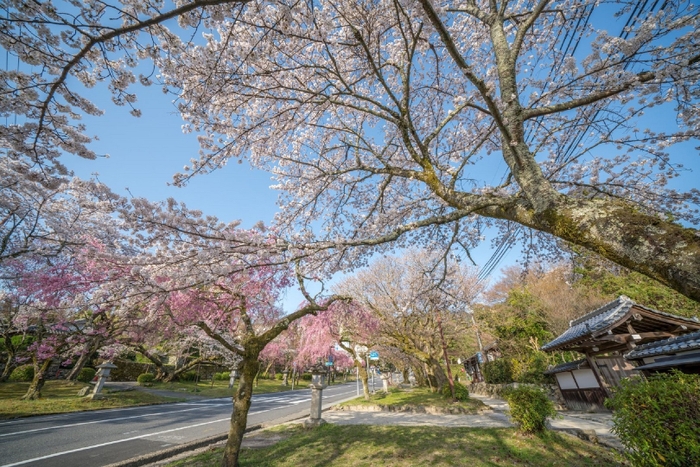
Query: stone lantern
318, 383
285, 377
102, 375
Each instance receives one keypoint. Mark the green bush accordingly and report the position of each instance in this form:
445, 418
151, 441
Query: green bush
306, 377
658, 420
498, 372
461, 392
145, 379
226, 375
22, 373
529, 408
86, 375
188, 376
278, 376
532, 370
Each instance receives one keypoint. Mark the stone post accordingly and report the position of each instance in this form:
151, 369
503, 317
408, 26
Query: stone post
102, 375
232, 378
285, 378
385, 382
318, 383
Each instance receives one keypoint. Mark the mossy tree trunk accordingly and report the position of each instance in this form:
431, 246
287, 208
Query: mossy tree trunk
88, 351
40, 368
249, 368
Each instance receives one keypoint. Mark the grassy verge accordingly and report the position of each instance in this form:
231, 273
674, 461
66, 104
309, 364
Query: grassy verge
414, 446
415, 397
220, 388
61, 397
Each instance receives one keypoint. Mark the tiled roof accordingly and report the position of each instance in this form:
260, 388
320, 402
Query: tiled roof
604, 317
568, 366
596, 320
668, 346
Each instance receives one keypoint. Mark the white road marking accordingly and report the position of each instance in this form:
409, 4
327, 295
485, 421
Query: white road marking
111, 442
58, 427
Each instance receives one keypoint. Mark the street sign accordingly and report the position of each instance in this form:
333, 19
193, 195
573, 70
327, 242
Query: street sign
329, 363
374, 355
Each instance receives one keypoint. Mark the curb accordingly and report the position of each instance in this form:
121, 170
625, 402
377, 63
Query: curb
170, 452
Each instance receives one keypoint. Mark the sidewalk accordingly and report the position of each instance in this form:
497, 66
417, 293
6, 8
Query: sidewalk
594, 427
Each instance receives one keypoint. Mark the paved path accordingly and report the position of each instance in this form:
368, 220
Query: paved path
583, 424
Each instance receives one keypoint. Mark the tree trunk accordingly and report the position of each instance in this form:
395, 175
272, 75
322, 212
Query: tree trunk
87, 353
436, 374
450, 381
241, 404
620, 232
10, 364
161, 373
404, 374
34, 391
171, 376
364, 377
420, 375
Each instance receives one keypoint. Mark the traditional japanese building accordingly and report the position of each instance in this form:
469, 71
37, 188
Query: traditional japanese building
603, 336
681, 353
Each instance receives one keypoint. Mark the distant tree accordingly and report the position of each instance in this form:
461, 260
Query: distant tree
421, 309
611, 281
529, 308
350, 326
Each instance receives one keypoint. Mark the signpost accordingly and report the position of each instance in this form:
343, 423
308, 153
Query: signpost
374, 355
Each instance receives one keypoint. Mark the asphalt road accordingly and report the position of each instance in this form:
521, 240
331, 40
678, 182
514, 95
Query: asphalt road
97, 438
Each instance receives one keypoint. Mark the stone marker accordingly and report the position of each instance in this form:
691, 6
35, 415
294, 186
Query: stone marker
318, 383
102, 375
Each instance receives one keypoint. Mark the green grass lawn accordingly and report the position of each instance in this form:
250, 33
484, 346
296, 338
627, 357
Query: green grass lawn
220, 388
61, 397
416, 397
414, 446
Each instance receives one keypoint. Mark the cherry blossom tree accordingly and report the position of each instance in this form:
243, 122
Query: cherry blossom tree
348, 326
379, 118
47, 302
421, 310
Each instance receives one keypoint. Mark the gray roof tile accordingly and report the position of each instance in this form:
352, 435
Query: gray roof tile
671, 345
592, 322
568, 366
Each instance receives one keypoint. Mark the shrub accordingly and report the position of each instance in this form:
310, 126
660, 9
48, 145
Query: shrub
22, 373
657, 420
86, 375
278, 376
306, 377
145, 379
187, 376
529, 408
461, 392
498, 372
532, 370
226, 375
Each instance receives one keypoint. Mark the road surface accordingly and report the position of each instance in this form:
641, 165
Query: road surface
98, 438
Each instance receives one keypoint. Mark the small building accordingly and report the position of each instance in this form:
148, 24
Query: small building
472, 365
603, 336
682, 353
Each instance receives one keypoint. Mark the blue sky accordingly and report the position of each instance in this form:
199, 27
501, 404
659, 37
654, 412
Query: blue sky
145, 152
